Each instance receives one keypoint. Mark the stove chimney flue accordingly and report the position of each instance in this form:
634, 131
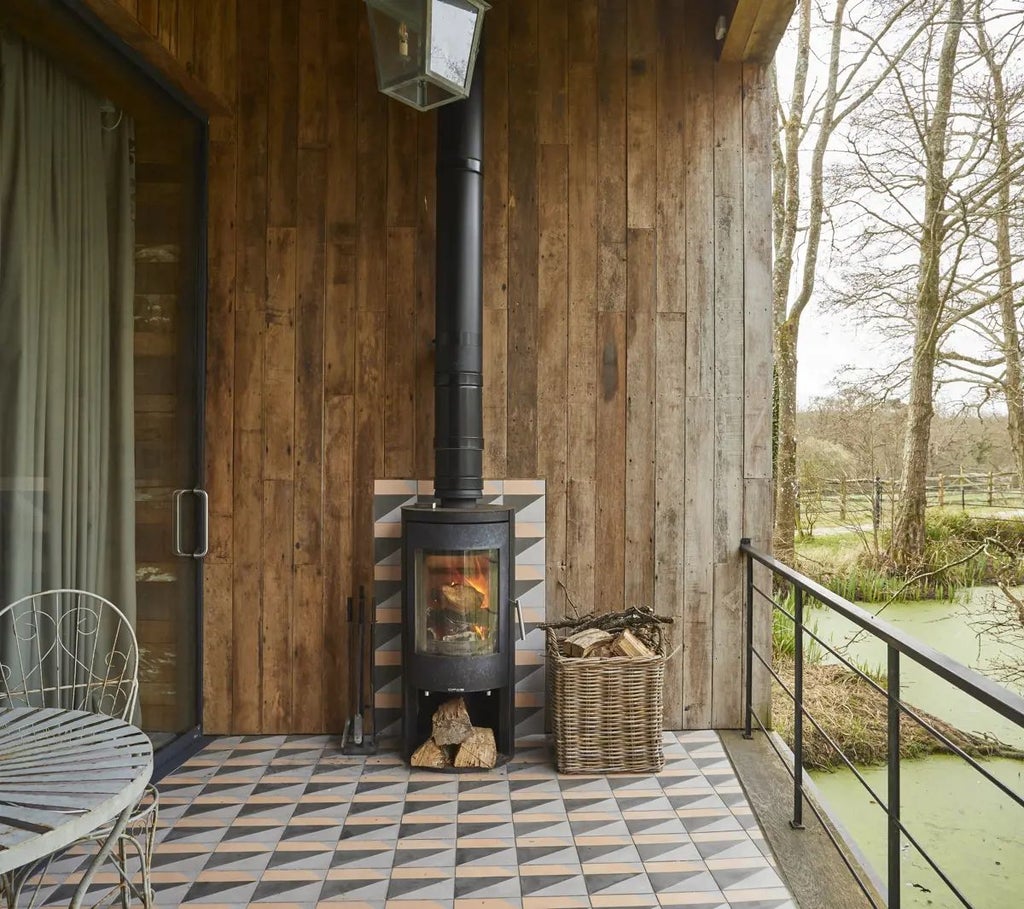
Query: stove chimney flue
458, 371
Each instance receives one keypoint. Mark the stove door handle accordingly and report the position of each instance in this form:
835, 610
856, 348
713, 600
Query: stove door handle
522, 624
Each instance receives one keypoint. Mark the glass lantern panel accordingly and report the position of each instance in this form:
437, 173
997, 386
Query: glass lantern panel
456, 602
398, 31
453, 24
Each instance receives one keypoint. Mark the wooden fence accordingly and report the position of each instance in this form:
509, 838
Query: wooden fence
870, 502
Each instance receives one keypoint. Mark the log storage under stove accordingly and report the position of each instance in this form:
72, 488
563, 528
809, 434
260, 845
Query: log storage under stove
457, 555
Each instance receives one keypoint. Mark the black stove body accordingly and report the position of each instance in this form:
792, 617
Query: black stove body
457, 555
458, 618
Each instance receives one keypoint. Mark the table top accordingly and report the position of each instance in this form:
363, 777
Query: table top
63, 774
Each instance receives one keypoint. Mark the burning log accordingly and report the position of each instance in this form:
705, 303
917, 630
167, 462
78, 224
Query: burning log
451, 723
478, 750
462, 598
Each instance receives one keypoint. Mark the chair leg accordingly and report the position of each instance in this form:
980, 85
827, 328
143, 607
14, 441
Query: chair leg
147, 859
122, 884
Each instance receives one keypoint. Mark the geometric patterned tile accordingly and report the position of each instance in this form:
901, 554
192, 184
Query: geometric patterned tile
289, 821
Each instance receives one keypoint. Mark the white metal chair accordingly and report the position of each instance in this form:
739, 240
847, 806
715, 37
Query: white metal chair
75, 650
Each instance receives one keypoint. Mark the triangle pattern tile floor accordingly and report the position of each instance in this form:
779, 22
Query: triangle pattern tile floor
291, 821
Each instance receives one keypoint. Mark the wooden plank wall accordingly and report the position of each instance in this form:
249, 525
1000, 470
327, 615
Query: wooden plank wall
627, 345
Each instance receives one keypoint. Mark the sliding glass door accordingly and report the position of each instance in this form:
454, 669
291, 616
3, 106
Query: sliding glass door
101, 228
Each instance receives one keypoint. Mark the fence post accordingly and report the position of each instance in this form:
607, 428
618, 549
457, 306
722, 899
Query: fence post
798, 711
963, 498
842, 498
990, 489
893, 796
876, 505
942, 490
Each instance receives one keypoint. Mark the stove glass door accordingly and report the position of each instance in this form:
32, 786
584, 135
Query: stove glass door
457, 602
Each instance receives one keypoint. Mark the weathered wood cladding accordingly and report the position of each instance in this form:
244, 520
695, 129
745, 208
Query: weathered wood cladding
627, 348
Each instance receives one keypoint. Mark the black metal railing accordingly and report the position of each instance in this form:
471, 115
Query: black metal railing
898, 646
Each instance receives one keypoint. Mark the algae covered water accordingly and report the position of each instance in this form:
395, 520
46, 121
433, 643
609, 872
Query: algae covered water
972, 831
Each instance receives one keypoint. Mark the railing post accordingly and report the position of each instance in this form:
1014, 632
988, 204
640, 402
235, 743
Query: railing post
747, 730
798, 711
942, 490
893, 797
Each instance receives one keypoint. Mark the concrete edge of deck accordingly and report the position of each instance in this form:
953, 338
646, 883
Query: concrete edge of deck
806, 859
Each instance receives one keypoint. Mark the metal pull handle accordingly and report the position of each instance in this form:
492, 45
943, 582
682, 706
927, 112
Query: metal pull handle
176, 498
522, 624
205, 497
176, 512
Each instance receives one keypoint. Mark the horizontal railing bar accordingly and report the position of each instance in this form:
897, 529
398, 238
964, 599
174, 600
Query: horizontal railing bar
824, 826
849, 665
989, 693
826, 736
952, 746
906, 708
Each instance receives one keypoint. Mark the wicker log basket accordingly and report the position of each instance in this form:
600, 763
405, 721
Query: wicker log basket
606, 712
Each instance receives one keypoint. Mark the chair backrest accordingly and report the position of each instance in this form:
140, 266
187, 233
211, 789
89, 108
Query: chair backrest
70, 649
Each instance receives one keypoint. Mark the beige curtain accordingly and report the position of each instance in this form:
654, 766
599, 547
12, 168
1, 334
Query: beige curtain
67, 478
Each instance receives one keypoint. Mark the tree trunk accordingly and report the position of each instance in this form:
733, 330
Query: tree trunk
785, 467
906, 549
1012, 381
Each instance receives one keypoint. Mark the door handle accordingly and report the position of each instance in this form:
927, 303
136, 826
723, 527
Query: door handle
204, 497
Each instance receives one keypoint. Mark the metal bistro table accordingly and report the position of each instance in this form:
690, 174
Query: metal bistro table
64, 774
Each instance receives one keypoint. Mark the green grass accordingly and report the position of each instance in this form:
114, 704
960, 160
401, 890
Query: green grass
846, 564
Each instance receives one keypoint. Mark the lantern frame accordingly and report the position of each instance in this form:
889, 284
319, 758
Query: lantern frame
422, 88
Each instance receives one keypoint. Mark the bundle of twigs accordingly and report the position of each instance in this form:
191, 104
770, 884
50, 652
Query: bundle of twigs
640, 620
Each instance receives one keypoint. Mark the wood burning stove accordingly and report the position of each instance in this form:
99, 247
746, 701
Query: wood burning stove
458, 556
458, 616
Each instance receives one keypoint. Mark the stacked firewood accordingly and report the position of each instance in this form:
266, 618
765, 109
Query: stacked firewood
635, 633
455, 741
595, 642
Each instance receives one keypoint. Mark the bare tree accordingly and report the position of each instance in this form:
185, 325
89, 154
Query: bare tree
1008, 162
855, 69
907, 546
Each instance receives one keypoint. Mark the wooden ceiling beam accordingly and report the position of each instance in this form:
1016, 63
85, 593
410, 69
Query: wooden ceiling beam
754, 29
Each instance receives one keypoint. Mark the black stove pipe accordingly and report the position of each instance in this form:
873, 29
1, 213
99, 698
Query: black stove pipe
458, 370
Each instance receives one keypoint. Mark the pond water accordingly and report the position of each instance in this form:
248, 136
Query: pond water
971, 830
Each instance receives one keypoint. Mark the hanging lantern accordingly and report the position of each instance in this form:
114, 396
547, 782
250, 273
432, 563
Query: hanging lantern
425, 49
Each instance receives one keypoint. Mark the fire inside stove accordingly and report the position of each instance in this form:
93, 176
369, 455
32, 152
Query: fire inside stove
457, 602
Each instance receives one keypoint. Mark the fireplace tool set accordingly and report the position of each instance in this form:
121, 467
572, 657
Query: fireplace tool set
357, 738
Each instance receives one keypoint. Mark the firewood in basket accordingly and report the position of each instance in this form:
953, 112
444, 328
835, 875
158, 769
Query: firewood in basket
479, 749
430, 755
578, 644
628, 644
451, 723
462, 598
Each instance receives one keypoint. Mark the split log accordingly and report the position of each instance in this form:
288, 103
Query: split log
578, 644
628, 644
479, 749
462, 598
451, 723
430, 755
